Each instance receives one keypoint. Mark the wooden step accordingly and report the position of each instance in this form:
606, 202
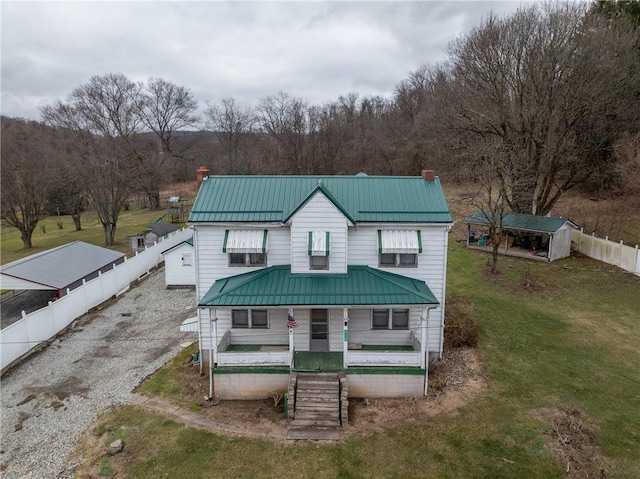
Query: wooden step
316, 434
311, 423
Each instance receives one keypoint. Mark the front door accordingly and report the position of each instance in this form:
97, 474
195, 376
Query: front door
319, 330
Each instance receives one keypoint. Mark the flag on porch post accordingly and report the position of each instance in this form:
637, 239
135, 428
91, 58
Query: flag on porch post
291, 322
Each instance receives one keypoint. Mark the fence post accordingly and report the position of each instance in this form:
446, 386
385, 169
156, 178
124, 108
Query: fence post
593, 240
620, 254
86, 299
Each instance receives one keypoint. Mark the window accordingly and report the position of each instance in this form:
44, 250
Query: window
398, 260
380, 319
247, 259
399, 248
318, 262
249, 318
319, 245
400, 319
240, 318
186, 259
246, 247
390, 319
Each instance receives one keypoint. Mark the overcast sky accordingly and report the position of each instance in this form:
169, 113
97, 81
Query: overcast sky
247, 50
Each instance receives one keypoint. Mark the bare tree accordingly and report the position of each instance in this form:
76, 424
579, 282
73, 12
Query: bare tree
284, 118
164, 109
234, 127
104, 115
26, 153
536, 81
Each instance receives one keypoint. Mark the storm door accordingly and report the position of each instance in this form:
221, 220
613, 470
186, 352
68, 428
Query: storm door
319, 330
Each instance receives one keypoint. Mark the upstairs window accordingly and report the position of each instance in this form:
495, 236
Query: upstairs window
246, 247
399, 248
319, 243
249, 319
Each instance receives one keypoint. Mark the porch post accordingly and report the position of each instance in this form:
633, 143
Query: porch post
213, 340
345, 338
291, 344
424, 346
423, 339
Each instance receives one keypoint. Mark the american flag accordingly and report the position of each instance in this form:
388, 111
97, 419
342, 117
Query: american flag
291, 322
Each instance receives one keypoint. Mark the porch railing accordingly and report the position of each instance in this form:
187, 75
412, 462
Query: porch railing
386, 358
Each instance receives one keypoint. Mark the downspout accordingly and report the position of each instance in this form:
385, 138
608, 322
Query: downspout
444, 288
198, 311
424, 346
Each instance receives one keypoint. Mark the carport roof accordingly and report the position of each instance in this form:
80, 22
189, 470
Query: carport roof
56, 268
519, 221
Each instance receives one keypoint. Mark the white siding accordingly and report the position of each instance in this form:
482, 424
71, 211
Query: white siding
213, 264
318, 214
561, 243
363, 250
175, 272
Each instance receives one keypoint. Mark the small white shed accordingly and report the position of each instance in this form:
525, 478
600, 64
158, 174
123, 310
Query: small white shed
179, 266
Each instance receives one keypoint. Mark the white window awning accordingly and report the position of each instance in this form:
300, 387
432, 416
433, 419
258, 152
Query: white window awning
319, 243
399, 241
245, 241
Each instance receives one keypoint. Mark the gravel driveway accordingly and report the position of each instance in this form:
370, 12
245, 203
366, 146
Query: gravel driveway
50, 399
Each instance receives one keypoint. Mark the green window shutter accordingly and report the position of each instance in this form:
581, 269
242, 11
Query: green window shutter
380, 241
419, 242
327, 245
310, 245
224, 243
264, 242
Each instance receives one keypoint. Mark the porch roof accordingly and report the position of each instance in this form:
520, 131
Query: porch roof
277, 286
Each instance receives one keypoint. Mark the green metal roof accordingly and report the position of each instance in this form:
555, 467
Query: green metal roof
276, 286
402, 199
187, 241
519, 221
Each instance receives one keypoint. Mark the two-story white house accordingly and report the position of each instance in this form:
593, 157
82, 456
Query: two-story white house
320, 273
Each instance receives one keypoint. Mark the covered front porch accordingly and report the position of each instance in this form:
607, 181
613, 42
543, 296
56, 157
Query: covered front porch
272, 318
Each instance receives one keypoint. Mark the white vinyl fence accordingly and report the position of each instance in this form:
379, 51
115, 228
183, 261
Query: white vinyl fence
618, 254
21, 337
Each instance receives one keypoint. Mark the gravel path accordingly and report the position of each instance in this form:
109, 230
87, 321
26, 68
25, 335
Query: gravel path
50, 399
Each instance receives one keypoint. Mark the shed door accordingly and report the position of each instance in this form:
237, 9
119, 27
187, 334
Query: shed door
319, 330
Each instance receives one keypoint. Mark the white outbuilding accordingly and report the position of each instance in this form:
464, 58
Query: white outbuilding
179, 265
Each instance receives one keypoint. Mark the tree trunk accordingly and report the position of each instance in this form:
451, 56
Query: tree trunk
26, 240
494, 256
76, 221
154, 199
109, 233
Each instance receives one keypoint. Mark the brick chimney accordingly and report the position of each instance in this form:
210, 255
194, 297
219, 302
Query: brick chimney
201, 174
428, 175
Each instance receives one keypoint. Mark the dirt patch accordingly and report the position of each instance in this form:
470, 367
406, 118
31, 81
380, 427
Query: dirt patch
55, 405
26, 400
22, 417
155, 353
454, 382
571, 441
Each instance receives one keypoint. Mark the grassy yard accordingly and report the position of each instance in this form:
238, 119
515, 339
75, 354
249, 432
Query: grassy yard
47, 235
568, 340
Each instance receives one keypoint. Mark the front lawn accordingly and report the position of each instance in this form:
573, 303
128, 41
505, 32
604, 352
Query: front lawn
560, 349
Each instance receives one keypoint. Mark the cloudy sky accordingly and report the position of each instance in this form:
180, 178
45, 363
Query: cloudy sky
247, 50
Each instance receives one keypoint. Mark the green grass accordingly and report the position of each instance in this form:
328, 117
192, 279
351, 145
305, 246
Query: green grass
570, 340
47, 235
164, 382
